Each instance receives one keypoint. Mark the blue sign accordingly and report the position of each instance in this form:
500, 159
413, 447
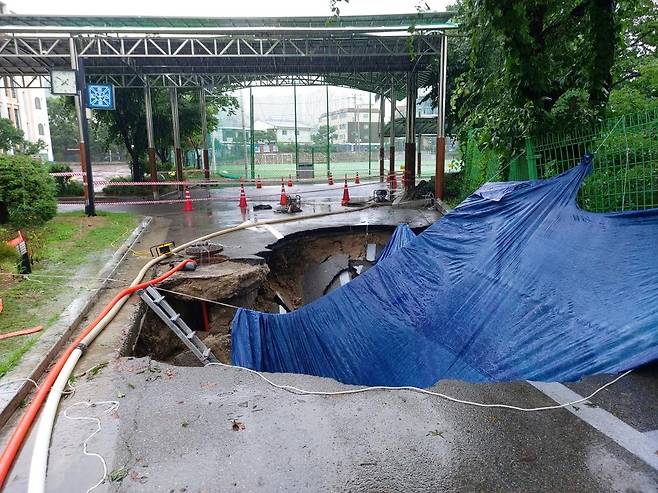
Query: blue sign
100, 96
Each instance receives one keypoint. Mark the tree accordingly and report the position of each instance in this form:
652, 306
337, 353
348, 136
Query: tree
320, 137
13, 139
63, 126
534, 67
265, 136
635, 74
127, 123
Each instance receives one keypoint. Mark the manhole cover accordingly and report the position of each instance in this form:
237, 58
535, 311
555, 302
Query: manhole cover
206, 252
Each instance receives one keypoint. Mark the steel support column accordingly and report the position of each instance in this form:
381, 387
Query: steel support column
419, 146
77, 64
382, 122
150, 138
252, 139
178, 153
391, 148
294, 96
204, 132
369, 134
440, 121
328, 136
410, 134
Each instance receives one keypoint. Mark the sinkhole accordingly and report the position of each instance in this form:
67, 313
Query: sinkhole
290, 273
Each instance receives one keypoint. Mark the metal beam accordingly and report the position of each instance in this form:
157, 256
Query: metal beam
83, 127
382, 122
391, 147
150, 137
440, 122
204, 132
410, 134
328, 135
178, 153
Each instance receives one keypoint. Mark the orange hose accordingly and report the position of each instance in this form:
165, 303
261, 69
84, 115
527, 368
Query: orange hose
23, 332
18, 436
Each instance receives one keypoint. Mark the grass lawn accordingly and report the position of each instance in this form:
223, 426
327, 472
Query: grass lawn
338, 169
66, 245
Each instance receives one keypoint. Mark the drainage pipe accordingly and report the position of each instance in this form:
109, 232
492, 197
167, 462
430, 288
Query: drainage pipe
63, 369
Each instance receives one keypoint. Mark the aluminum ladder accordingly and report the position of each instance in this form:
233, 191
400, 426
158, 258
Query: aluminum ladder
173, 320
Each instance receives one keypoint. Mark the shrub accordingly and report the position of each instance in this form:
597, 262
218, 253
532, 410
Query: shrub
27, 193
65, 186
132, 190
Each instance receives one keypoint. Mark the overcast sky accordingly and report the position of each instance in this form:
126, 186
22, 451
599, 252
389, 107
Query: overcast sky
217, 8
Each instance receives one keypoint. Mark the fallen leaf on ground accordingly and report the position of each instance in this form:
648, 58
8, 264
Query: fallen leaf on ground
238, 425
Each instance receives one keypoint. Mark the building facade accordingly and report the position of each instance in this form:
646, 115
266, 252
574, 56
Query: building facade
354, 124
28, 111
285, 131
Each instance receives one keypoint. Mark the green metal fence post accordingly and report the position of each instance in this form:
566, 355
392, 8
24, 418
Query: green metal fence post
531, 158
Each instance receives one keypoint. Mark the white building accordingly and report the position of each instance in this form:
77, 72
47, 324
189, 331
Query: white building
285, 131
27, 110
353, 124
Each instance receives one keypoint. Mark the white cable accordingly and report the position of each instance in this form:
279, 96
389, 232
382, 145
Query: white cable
296, 390
114, 405
9, 382
39, 461
198, 298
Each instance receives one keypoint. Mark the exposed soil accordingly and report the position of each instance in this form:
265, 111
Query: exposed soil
288, 266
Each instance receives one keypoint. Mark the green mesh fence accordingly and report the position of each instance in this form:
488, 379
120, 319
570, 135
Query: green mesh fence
625, 175
625, 149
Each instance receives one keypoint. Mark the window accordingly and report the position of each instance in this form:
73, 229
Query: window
284, 132
40, 128
17, 118
37, 103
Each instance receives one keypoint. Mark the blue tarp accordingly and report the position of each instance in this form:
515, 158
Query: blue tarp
401, 237
516, 283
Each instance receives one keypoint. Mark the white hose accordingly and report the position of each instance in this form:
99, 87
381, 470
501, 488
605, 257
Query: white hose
39, 462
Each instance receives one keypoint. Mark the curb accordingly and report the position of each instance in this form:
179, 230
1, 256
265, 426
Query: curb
36, 361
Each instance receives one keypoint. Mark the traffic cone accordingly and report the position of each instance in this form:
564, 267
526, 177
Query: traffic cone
346, 194
243, 197
289, 181
259, 184
357, 180
330, 179
187, 205
284, 198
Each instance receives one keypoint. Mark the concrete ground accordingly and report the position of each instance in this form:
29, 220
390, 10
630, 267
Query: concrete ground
184, 429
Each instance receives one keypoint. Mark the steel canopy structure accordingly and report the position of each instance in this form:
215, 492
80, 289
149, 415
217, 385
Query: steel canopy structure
383, 54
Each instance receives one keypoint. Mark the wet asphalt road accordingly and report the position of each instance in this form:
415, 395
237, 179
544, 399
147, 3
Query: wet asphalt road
174, 428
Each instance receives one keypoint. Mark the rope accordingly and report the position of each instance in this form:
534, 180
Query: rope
114, 405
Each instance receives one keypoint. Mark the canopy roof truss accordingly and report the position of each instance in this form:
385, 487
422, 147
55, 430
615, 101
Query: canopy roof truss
369, 53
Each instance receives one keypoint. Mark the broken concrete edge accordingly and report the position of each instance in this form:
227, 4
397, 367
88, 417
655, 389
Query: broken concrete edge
38, 359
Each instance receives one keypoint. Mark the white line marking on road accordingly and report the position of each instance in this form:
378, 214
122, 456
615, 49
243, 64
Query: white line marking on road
637, 443
652, 436
275, 232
